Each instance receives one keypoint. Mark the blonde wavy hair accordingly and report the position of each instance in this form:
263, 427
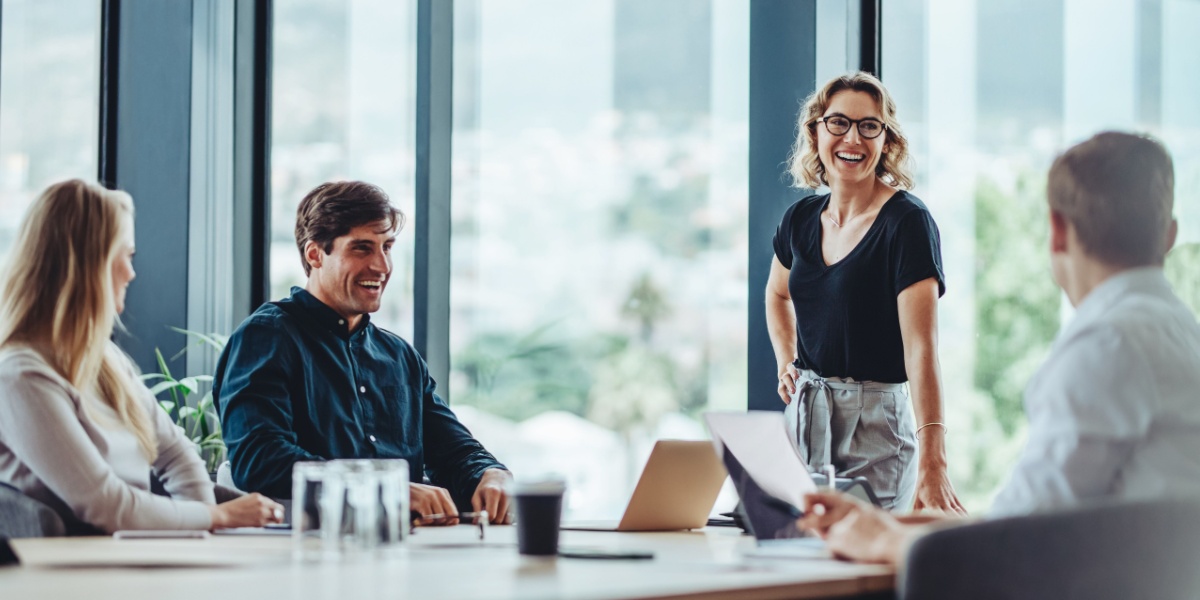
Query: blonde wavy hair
57, 296
804, 164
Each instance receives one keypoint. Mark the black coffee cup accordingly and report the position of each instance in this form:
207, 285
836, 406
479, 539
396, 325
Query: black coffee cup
539, 509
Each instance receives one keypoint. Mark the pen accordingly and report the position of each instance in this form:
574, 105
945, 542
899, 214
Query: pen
479, 519
461, 516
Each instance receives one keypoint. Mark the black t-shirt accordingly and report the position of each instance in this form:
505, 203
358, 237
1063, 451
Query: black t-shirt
847, 319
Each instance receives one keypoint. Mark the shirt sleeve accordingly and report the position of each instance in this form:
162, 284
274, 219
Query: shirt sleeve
454, 458
782, 241
253, 398
917, 251
39, 424
1087, 409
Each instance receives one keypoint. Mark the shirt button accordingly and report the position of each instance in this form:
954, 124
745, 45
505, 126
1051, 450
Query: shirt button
362, 389
372, 438
341, 321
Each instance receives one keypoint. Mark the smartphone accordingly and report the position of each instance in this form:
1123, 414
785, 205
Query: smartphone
159, 534
604, 554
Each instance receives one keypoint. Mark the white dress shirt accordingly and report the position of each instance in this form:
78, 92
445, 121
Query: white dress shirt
1115, 410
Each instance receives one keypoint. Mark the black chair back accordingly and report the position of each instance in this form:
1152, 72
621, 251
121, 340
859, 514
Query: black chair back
1118, 551
22, 516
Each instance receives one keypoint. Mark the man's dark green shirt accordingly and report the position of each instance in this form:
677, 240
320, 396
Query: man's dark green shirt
294, 384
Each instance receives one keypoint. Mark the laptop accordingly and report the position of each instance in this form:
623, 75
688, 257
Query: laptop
677, 490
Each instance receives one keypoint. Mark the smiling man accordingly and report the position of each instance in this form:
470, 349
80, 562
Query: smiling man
310, 378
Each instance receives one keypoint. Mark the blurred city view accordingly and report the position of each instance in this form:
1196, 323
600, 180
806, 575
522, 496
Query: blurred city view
49, 101
599, 211
599, 191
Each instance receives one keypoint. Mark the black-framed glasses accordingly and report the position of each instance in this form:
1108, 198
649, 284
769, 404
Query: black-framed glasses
869, 128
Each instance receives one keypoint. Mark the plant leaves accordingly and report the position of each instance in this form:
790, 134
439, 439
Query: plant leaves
215, 341
201, 423
162, 366
190, 384
164, 386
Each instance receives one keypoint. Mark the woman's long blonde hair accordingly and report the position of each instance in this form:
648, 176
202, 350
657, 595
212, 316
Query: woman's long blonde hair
57, 295
804, 164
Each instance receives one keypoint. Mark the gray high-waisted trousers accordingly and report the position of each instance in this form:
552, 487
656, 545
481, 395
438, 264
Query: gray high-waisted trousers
861, 428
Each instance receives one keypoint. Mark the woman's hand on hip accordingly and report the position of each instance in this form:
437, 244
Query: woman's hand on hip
788, 375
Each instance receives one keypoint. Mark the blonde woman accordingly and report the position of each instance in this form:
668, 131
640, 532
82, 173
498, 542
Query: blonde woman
852, 302
78, 430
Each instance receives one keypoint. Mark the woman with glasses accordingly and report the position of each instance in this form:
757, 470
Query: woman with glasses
78, 430
852, 302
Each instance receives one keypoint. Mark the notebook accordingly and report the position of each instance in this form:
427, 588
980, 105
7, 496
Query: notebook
677, 490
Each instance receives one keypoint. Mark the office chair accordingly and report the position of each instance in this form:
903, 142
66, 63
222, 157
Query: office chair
1148, 549
22, 516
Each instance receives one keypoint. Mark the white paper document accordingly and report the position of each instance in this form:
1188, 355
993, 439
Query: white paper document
759, 441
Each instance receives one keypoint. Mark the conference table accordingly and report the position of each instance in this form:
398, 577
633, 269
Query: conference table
435, 563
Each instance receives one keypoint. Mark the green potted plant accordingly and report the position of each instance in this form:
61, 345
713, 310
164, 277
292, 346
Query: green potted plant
199, 419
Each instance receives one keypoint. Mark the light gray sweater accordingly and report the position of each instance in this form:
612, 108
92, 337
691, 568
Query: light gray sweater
68, 450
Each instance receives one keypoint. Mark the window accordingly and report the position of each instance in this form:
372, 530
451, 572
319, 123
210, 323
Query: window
599, 222
49, 101
987, 115
343, 106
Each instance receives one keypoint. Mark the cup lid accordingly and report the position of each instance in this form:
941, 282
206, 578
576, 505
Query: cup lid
537, 486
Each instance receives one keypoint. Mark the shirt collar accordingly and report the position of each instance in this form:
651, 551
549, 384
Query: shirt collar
1111, 290
321, 313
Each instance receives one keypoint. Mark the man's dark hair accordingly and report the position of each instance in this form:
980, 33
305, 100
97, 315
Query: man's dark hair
332, 209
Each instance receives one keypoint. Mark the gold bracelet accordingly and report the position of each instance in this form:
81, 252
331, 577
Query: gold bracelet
940, 424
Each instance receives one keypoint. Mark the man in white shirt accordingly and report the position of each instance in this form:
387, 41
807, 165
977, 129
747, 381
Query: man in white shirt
1115, 410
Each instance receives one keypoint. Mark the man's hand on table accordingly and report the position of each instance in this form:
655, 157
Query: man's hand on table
432, 500
491, 495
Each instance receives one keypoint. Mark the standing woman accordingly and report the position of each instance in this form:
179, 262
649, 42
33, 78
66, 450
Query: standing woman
78, 430
852, 302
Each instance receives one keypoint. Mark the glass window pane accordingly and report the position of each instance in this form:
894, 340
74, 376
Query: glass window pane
343, 107
986, 116
599, 252
49, 101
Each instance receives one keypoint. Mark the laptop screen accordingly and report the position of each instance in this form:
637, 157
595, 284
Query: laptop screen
766, 521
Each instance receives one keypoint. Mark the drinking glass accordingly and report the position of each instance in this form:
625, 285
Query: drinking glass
318, 497
393, 502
